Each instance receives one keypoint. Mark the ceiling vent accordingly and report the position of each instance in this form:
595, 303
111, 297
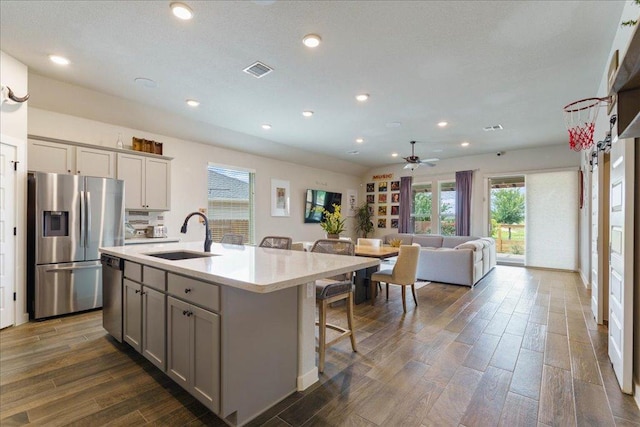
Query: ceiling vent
258, 70
492, 128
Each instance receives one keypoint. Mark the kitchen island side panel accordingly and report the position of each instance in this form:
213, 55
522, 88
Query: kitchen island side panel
259, 351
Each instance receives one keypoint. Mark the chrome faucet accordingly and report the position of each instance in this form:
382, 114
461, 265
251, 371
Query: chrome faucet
207, 235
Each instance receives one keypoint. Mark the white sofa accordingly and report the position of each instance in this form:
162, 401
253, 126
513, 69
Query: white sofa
460, 260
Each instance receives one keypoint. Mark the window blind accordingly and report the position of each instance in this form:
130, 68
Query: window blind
230, 202
552, 220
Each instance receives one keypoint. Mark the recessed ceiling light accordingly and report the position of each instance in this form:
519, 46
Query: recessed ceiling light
359, 140
465, 144
307, 113
394, 154
394, 124
266, 126
60, 60
181, 11
192, 103
442, 124
311, 40
362, 97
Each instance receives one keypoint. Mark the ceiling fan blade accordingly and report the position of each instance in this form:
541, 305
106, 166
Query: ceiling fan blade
433, 159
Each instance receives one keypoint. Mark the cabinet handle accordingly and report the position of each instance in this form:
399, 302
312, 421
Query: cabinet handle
187, 290
184, 312
137, 291
69, 170
78, 172
189, 313
142, 293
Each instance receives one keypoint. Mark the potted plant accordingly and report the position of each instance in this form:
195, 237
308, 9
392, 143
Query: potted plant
364, 223
332, 222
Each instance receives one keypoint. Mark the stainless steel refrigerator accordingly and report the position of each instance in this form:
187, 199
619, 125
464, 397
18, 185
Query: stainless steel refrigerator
68, 218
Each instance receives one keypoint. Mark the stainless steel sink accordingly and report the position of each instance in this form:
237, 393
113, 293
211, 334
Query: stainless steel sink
180, 255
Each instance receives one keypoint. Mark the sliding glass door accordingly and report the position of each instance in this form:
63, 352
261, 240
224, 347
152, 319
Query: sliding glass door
507, 218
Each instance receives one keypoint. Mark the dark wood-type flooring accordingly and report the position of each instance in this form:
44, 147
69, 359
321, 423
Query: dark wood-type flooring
520, 349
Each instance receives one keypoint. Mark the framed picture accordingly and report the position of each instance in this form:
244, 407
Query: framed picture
395, 185
371, 187
395, 210
352, 203
280, 195
371, 198
394, 223
382, 211
370, 210
382, 223
395, 197
382, 198
382, 186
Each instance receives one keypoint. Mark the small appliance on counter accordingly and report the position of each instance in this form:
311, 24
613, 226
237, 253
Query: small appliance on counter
155, 231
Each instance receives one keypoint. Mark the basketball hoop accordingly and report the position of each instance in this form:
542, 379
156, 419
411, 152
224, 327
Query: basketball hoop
580, 117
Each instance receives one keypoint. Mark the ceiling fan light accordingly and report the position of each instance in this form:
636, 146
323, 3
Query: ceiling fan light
411, 166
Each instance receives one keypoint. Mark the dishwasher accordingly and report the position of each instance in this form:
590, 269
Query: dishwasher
112, 295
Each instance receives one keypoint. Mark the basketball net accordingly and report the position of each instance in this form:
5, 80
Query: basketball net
580, 117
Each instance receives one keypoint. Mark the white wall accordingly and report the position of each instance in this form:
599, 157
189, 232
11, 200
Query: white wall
485, 166
189, 174
13, 128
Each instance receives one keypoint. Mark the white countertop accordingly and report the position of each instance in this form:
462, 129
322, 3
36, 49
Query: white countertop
246, 267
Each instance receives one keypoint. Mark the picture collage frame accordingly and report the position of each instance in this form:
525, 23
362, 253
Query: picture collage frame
384, 200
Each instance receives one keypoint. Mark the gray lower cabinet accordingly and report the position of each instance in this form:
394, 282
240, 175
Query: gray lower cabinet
132, 314
193, 351
144, 321
154, 318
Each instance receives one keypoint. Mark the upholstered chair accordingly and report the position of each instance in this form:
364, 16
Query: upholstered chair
232, 239
330, 290
403, 273
277, 242
369, 242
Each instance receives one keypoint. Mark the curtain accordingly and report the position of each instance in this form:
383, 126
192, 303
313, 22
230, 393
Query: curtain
463, 202
406, 205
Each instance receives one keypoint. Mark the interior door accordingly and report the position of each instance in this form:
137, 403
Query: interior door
621, 255
596, 307
8, 157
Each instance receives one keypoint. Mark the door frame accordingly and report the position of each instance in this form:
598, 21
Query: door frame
20, 305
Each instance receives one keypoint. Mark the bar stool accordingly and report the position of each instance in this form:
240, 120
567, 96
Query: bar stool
330, 290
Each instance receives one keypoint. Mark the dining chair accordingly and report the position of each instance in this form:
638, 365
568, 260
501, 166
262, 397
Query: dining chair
233, 239
369, 242
277, 242
332, 289
403, 273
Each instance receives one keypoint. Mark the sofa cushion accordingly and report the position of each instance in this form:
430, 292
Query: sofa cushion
428, 240
453, 241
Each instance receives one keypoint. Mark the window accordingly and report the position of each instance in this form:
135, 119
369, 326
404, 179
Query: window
447, 208
230, 200
422, 210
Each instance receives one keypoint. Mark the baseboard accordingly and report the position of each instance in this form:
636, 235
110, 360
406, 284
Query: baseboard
307, 380
636, 394
24, 318
585, 282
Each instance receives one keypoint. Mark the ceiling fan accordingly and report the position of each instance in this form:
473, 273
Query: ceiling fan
414, 161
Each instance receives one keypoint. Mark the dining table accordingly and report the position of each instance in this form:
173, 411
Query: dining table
363, 276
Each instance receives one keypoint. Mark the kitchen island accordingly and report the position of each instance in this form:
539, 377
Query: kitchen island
235, 328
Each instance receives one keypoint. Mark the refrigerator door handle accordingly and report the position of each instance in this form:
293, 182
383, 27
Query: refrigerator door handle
87, 210
83, 210
84, 267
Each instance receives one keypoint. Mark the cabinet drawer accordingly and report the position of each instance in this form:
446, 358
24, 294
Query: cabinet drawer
133, 271
200, 293
154, 278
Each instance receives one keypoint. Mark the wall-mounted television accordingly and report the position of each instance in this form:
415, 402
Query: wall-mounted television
316, 201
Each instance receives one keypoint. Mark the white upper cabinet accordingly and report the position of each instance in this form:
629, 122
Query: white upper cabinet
147, 182
54, 157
